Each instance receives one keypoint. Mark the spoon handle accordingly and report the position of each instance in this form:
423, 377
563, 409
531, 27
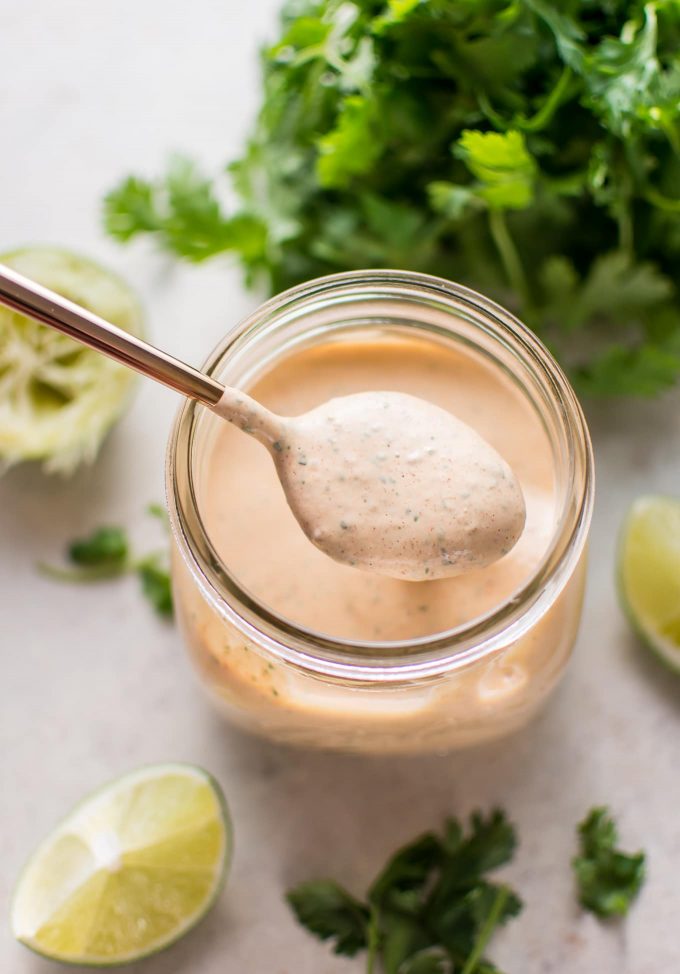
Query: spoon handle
21, 294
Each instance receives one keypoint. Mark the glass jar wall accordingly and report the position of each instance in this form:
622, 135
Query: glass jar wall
289, 649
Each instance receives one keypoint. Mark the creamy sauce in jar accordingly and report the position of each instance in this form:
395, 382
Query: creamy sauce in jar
259, 540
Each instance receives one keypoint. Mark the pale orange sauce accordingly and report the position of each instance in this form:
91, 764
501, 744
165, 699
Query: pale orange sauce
256, 535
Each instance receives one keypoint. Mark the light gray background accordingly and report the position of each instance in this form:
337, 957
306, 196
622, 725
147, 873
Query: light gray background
92, 684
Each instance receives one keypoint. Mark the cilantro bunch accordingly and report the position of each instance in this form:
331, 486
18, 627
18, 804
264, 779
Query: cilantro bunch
528, 148
430, 911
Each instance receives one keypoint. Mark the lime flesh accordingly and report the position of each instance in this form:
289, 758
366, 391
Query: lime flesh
129, 871
58, 399
649, 574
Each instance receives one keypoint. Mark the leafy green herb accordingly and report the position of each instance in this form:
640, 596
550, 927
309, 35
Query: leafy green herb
327, 910
502, 165
155, 581
608, 879
430, 911
160, 513
432, 960
106, 554
105, 548
526, 148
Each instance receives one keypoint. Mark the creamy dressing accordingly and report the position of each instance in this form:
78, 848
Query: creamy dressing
259, 539
390, 483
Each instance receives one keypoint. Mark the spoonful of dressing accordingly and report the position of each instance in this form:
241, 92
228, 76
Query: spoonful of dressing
383, 481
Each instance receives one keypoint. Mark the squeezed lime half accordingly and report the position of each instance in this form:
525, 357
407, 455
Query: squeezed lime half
58, 399
129, 871
649, 574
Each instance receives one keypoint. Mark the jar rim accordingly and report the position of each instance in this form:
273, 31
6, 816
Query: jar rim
394, 660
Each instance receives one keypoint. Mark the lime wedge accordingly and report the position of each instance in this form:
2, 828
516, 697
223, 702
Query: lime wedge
649, 574
129, 871
58, 399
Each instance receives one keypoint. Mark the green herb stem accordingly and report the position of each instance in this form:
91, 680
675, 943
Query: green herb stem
624, 220
485, 933
509, 257
671, 134
624, 214
95, 573
536, 122
494, 117
549, 107
373, 942
662, 202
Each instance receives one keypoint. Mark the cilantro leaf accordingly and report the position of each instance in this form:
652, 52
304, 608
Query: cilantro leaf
615, 287
569, 36
503, 166
397, 11
608, 879
459, 919
619, 295
106, 547
491, 843
130, 209
352, 147
622, 74
432, 960
306, 36
451, 200
328, 911
158, 511
184, 213
401, 883
156, 585
400, 937
640, 371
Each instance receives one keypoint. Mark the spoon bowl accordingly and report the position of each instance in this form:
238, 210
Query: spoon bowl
389, 483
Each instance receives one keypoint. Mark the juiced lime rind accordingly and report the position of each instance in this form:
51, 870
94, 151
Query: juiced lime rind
58, 399
649, 574
69, 826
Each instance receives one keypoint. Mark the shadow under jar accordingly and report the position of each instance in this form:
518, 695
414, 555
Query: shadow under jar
303, 650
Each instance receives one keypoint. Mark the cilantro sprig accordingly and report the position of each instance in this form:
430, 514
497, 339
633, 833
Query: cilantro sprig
526, 148
106, 554
431, 910
608, 879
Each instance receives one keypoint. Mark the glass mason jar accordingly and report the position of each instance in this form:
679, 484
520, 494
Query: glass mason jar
478, 681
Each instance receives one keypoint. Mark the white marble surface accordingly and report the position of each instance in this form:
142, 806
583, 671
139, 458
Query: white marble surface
93, 685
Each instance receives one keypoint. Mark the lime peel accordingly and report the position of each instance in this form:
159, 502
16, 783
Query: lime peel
649, 574
58, 399
129, 871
